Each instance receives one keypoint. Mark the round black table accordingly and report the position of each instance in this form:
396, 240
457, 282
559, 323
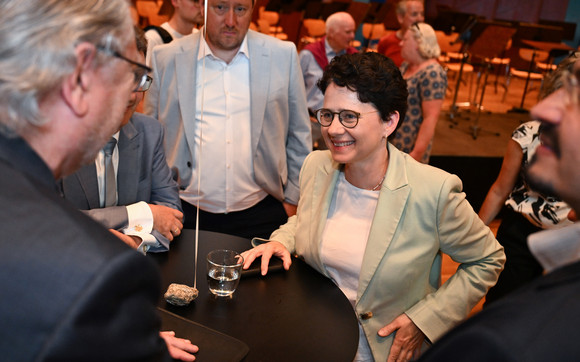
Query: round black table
294, 315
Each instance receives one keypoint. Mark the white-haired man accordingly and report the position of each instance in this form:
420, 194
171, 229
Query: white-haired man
340, 28
70, 289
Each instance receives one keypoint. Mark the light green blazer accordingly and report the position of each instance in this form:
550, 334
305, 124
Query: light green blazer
421, 212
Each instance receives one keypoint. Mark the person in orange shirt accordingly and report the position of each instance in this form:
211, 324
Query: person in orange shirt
409, 12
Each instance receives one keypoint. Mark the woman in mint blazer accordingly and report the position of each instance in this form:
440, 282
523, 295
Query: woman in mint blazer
376, 221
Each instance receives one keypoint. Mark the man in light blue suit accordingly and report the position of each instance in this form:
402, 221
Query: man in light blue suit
147, 212
242, 93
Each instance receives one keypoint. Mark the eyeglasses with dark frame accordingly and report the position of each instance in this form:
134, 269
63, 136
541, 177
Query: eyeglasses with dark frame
346, 117
571, 85
142, 80
145, 86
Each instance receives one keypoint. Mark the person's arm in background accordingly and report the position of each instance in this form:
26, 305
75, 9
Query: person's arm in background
430, 110
504, 183
432, 96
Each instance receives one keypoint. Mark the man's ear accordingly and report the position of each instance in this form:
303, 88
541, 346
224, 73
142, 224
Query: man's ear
76, 85
391, 123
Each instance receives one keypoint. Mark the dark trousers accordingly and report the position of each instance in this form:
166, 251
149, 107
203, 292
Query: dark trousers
259, 220
521, 267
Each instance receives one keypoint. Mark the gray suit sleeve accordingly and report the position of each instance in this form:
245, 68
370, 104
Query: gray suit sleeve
114, 217
299, 142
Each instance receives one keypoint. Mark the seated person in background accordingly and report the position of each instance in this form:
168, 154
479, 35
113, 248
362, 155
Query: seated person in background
70, 290
375, 221
146, 209
316, 56
408, 13
427, 82
538, 322
527, 211
184, 17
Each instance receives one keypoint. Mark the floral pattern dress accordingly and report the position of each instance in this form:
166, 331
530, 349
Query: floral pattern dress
429, 83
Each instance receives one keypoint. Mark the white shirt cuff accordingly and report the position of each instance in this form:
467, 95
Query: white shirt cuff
140, 218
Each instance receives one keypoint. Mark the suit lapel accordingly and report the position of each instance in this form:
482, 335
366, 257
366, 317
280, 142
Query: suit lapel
259, 84
129, 164
87, 177
391, 205
324, 185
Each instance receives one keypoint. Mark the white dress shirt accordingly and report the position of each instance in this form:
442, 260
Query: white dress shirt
222, 121
154, 39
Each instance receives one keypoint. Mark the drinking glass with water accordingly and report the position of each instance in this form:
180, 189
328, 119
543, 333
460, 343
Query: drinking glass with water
223, 271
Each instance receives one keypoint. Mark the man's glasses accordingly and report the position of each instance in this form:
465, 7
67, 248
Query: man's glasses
145, 86
142, 80
347, 118
570, 81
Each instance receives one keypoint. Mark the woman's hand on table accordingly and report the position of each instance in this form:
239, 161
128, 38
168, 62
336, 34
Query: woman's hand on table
408, 339
266, 251
179, 348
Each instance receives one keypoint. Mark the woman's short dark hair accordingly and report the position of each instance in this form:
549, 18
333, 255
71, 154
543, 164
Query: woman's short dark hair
374, 78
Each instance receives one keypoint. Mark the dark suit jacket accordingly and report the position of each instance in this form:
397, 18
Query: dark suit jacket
70, 289
143, 175
538, 322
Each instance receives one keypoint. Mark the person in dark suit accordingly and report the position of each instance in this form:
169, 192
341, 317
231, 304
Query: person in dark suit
147, 213
70, 290
539, 321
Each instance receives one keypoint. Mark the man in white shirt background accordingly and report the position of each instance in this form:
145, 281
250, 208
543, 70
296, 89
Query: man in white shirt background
240, 92
184, 18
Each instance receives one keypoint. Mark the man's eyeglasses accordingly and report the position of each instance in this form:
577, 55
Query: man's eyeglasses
142, 80
347, 118
571, 84
145, 86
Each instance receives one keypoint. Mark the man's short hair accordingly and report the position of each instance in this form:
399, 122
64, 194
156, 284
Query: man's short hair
141, 40
402, 6
37, 47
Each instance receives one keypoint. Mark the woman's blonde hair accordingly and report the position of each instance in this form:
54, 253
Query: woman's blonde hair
426, 40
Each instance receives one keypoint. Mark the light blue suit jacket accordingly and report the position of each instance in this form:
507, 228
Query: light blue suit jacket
421, 212
280, 125
143, 175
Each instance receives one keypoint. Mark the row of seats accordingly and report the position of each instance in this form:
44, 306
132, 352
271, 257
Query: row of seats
451, 55
147, 12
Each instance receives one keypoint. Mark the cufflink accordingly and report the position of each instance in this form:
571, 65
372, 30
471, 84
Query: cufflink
365, 316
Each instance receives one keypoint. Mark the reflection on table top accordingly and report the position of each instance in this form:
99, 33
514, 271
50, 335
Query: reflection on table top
294, 315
